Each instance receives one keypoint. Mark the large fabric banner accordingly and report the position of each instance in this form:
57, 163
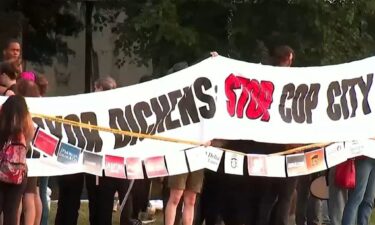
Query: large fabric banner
216, 98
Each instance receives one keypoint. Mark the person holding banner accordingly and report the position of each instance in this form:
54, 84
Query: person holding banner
16, 126
70, 187
278, 193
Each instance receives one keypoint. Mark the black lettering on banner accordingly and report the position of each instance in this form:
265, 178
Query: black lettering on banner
312, 101
77, 131
54, 127
304, 101
298, 105
117, 121
142, 111
132, 123
169, 123
161, 108
187, 107
200, 85
287, 94
94, 141
333, 110
336, 110
69, 129
365, 89
349, 85
38, 121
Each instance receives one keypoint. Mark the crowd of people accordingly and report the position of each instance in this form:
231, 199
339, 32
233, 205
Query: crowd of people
194, 198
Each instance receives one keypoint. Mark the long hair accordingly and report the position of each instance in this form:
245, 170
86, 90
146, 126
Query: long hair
15, 120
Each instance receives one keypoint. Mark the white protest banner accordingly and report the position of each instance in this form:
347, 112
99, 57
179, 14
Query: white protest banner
213, 158
219, 98
176, 163
336, 153
370, 148
233, 163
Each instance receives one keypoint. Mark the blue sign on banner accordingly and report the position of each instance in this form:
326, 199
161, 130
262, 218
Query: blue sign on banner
68, 154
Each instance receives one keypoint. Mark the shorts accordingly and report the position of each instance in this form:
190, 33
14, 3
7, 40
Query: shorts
31, 186
189, 181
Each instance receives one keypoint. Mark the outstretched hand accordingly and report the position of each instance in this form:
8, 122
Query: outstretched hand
214, 54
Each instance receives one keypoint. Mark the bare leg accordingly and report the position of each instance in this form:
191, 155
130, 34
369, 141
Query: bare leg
38, 208
28, 208
189, 203
170, 211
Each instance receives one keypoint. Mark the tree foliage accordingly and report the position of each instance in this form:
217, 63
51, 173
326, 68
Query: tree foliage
321, 32
44, 24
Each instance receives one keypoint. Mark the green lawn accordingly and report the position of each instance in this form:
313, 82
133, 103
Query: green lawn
84, 216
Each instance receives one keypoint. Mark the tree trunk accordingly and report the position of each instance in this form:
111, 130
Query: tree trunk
88, 46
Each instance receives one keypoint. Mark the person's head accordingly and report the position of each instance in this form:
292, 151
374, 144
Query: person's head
314, 160
15, 120
42, 83
28, 75
282, 56
105, 84
7, 68
12, 50
27, 88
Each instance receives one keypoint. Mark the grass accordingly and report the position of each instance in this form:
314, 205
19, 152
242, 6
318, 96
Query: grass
83, 218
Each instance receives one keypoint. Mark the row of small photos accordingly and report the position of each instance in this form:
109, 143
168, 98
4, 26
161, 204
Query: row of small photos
193, 159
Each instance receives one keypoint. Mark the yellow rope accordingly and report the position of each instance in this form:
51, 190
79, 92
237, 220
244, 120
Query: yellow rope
161, 138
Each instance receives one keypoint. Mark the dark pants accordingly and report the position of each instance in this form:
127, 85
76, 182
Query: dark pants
69, 201
108, 187
70, 190
308, 208
10, 199
276, 201
43, 186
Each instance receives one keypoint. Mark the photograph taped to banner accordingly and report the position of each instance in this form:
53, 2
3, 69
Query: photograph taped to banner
336, 153
45, 143
234, 163
176, 163
257, 164
92, 163
213, 158
134, 168
296, 165
68, 154
114, 166
197, 158
155, 167
315, 161
276, 166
